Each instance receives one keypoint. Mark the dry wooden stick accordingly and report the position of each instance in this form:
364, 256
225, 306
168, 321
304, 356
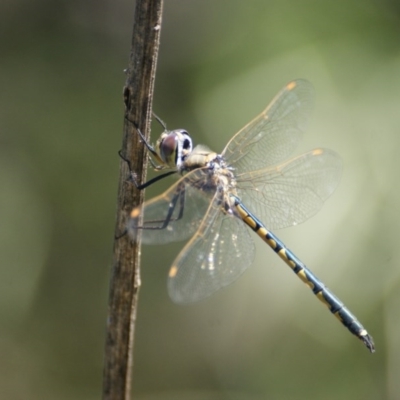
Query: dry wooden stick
125, 280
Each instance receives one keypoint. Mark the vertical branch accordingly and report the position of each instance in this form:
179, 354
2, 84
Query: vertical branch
125, 280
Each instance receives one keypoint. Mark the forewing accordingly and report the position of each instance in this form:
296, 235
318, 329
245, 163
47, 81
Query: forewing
176, 214
217, 255
292, 192
274, 134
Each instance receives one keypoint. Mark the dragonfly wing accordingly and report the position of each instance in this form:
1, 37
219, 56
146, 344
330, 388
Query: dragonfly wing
176, 214
219, 252
275, 133
290, 193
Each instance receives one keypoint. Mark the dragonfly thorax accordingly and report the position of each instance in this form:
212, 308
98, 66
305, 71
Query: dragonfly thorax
200, 157
216, 175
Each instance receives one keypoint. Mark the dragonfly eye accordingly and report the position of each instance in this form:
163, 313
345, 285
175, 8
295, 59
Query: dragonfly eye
184, 146
187, 145
168, 147
187, 142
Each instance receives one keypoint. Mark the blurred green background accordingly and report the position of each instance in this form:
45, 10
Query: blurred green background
221, 62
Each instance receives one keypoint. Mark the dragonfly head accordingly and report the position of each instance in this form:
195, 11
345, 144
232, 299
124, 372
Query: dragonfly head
173, 147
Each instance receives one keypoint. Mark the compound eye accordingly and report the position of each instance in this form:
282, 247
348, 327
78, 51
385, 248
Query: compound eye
187, 144
168, 146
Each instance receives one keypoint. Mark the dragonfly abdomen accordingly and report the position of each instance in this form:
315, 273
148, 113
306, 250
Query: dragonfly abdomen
337, 308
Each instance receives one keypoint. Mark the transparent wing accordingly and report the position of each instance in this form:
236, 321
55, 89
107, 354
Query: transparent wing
275, 133
217, 255
290, 193
176, 214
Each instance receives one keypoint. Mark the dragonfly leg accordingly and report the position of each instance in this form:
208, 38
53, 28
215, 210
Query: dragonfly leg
132, 175
178, 200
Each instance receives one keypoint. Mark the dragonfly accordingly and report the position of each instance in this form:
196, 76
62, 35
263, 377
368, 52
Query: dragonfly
251, 181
